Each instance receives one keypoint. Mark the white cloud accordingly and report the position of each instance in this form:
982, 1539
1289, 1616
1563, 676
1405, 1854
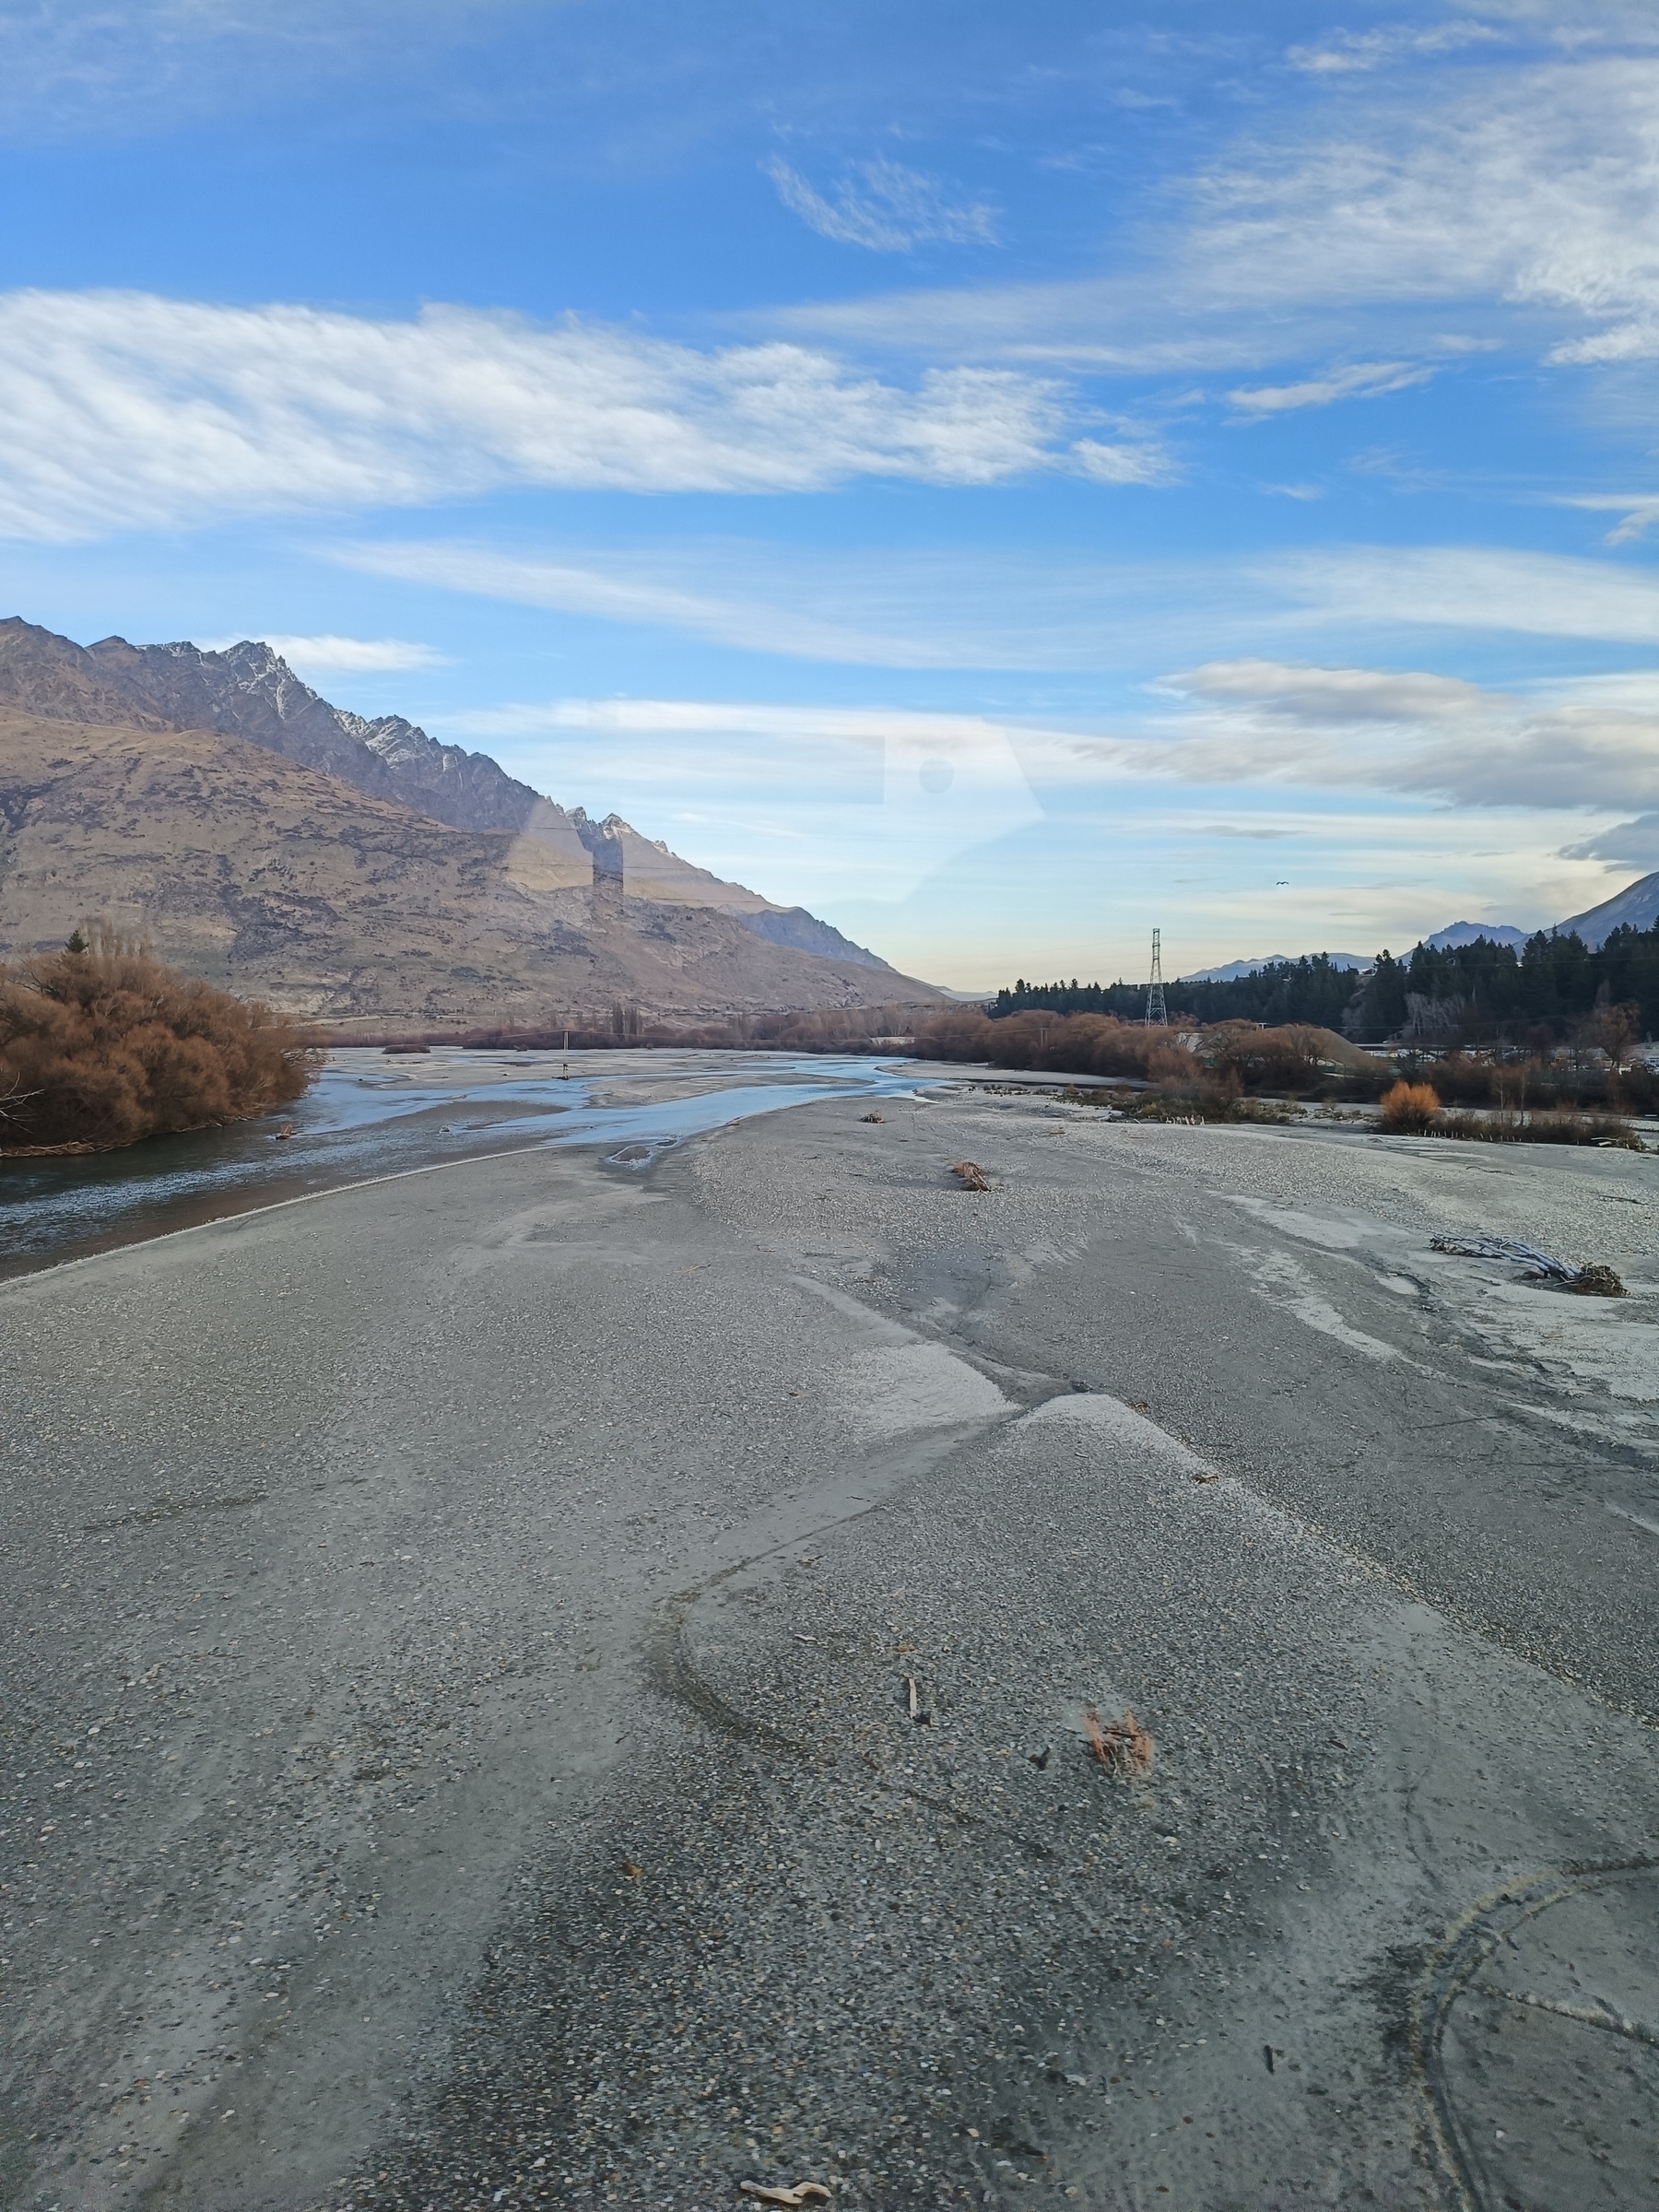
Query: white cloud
1365, 380
1304, 694
1473, 587
888, 210
1573, 746
1145, 462
142, 65
1637, 341
125, 411
870, 605
871, 802
975, 609
642, 591
1639, 511
1626, 341
1592, 744
1538, 187
1124, 324
357, 656
1391, 785
1526, 195
1352, 51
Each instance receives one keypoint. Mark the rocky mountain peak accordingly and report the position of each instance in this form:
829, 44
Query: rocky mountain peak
247, 691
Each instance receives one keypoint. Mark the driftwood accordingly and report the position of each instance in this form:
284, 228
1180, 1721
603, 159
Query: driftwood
1505, 1248
1543, 1266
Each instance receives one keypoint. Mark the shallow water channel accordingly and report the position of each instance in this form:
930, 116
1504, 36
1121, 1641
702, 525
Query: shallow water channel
373, 1114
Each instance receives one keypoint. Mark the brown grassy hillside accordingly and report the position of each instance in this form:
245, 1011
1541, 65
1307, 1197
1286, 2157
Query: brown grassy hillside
277, 881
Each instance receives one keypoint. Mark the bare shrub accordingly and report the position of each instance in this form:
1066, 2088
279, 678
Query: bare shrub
1409, 1109
1281, 1059
1082, 1044
1583, 1129
1500, 1128
970, 1177
1550, 1128
1209, 1102
1124, 1748
101, 1046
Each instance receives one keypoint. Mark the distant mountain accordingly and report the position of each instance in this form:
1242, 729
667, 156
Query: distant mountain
349, 867
1636, 907
1468, 933
250, 691
1234, 969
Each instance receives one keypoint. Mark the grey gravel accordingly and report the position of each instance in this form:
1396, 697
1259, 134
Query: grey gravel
456, 1720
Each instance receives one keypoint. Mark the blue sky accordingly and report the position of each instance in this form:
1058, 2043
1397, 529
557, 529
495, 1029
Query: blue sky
1005, 478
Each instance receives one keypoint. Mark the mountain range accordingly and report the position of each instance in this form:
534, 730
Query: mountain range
1234, 969
1636, 907
350, 868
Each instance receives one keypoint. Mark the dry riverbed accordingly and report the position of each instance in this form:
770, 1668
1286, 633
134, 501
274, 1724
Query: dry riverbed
538, 1684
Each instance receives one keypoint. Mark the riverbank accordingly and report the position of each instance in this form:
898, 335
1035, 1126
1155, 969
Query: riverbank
371, 1117
459, 1685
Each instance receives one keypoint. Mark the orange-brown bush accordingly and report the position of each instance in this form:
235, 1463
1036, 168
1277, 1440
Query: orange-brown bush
1409, 1109
106, 1045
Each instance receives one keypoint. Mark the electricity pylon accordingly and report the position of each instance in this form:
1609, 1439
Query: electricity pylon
1155, 999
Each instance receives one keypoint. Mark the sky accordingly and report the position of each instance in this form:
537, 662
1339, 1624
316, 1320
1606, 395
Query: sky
1005, 478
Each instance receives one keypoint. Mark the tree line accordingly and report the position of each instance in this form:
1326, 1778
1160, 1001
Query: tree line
1465, 994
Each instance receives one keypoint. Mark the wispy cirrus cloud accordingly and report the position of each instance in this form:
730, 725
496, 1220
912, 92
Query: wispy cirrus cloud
886, 208
650, 591
1639, 512
1145, 461
327, 654
1634, 341
1364, 380
1352, 51
1526, 197
126, 410
1474, 588
73, 66
990, 609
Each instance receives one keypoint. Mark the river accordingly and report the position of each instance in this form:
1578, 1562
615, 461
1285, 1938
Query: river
372, 1114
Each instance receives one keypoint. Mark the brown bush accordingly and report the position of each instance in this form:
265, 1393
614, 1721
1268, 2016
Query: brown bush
1281, 1059
101, 1046
1409, 1109
1077, 1044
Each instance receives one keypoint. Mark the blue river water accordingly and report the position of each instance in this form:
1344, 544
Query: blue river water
370, 1114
